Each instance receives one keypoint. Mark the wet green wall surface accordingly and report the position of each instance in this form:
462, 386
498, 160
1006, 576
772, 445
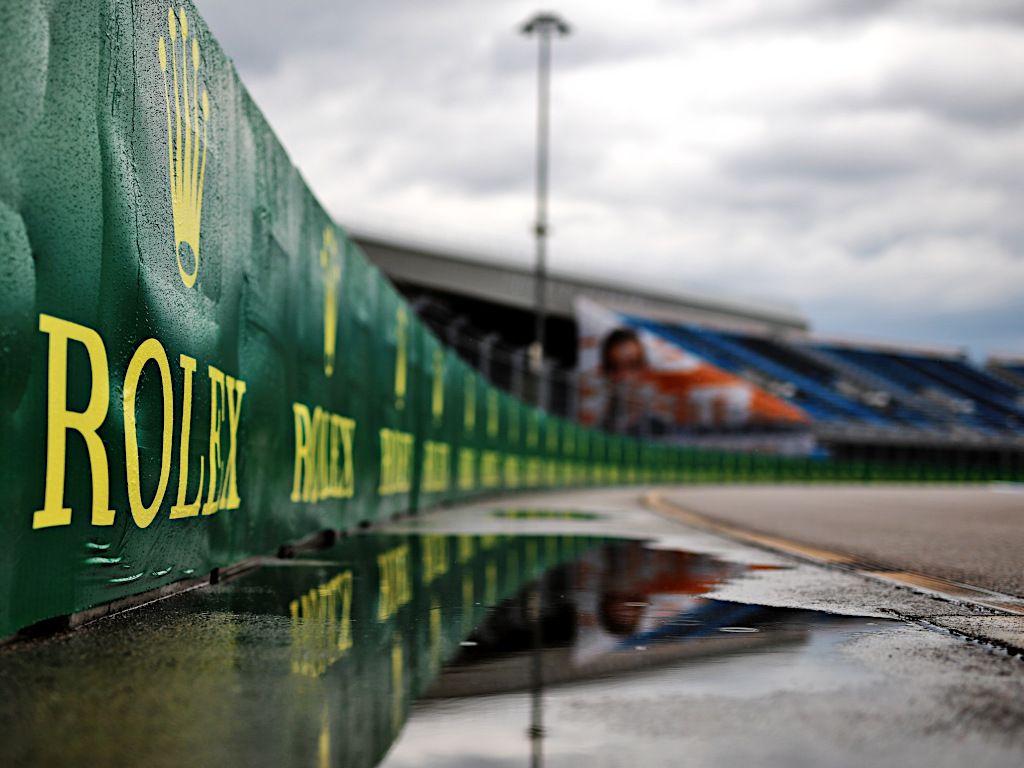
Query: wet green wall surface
197, 365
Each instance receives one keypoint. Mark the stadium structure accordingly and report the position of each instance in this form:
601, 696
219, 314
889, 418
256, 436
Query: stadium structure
865, 400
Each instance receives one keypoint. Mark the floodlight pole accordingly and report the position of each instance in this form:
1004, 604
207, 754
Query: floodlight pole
544, 25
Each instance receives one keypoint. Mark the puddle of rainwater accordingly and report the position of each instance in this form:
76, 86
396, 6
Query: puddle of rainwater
623, 621
318, 661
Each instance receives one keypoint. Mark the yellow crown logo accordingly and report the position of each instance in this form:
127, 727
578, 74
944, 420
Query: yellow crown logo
437, 390
331, 267
401, 356
186, 153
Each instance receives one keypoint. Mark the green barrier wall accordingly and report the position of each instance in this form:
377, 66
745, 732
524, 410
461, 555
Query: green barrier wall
196, 364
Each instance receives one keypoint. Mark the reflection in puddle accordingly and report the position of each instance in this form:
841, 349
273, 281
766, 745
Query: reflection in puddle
619, 608
554, 673
544, 514
318, 660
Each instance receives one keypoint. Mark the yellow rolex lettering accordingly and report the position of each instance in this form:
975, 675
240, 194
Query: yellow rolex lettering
511, 569
435, 632
490, 469
491, 582
394, 587
150, 349
386, 458
347, 486
225, 403
322, 626
235, 391
467, 469
216, 420
467, 601
333, 451
435, 557
323, 455
183, 508
437, 390
533, 472
59, 420
469, 409
396, 460
340, 472
436, 466
321, 433
466, 549
303, 453
492, 414
511, 471
397, 683
550, 472
345, 635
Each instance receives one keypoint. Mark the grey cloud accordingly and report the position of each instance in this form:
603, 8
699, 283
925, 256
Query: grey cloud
957, 93
472, 168
831, 14
787, 14
981, 331
833, 157
398, 35
970, 11
805, 12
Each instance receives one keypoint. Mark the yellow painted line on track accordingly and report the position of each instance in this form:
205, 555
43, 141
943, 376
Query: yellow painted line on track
655, 502
933, 585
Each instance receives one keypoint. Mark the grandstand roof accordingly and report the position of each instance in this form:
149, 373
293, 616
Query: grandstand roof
488, 278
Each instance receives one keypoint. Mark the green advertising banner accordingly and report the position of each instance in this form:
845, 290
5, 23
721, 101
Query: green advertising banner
197, 365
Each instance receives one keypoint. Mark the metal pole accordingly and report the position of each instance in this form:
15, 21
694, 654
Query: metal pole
541, 227
536, 729
545, 25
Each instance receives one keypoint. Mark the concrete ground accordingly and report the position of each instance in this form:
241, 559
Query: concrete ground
973, 535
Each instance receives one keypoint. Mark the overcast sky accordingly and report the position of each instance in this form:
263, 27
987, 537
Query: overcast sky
861, 159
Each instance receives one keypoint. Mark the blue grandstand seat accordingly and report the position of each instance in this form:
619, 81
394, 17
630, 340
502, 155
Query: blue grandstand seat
993, 403
817, 400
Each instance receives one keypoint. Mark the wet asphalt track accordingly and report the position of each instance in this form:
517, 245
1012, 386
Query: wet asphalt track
968, 534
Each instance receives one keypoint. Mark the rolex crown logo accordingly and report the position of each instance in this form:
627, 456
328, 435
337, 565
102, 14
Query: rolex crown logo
186, 147
331, 267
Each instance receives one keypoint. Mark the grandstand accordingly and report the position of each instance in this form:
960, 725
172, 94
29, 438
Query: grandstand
1008, 368
865, 399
